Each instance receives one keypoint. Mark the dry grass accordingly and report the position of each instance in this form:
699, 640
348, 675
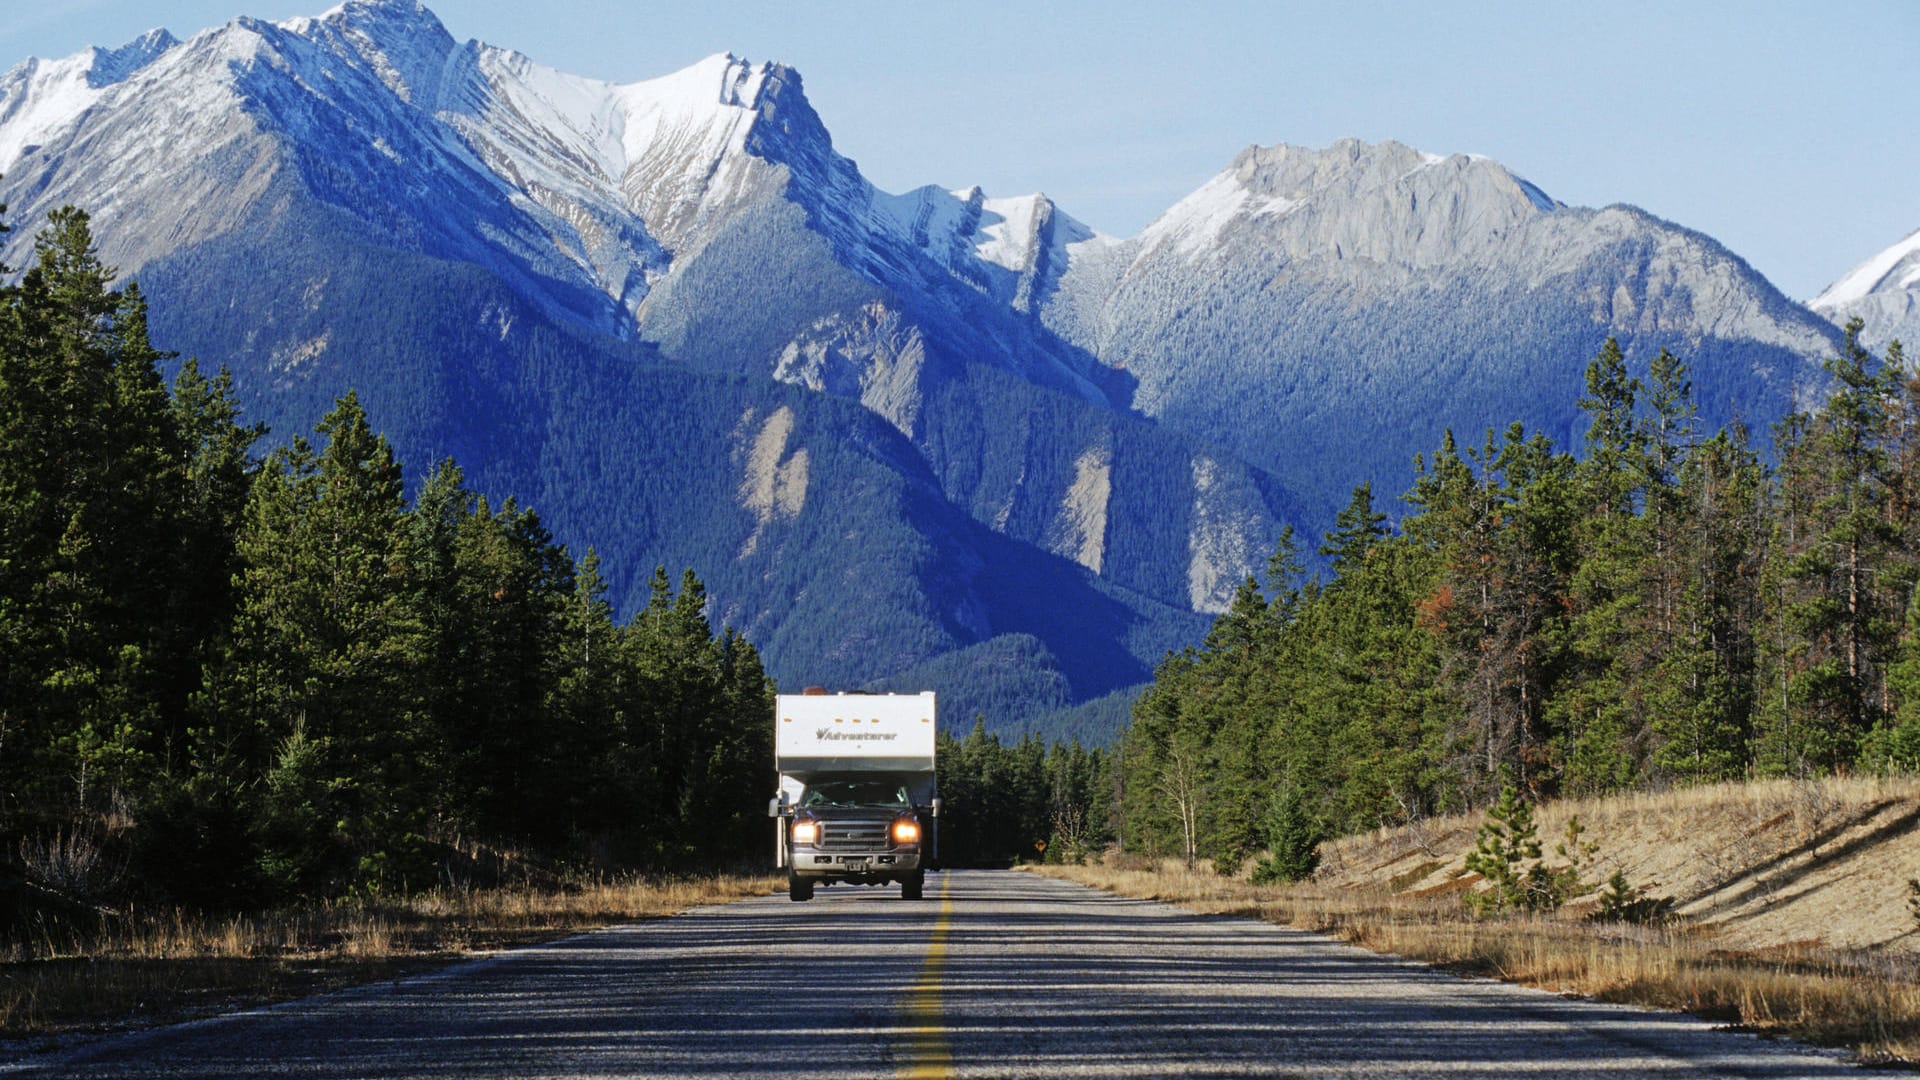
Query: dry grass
1791, 902
171, 965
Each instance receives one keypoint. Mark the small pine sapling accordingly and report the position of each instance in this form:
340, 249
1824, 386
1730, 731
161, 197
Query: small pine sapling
1549, 889
1621, 902
1505, 841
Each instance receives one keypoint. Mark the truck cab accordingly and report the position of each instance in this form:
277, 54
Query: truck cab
856, 802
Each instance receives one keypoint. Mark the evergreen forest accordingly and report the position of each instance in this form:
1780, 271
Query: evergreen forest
1669, 606
231, 678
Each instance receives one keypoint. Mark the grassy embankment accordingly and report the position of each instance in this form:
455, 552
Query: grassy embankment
143, 969
1790, 909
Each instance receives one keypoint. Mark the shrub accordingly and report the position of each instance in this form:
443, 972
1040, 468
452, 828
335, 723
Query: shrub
1506, 853
1294, 834
1621, 902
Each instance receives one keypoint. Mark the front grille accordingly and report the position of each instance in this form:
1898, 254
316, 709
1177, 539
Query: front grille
855, 835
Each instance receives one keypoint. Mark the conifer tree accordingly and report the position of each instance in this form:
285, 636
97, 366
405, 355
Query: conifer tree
1836, 571
1602, 706
589, 696
1894, 745
1356, 530
1505, 842
1500, 523
218, 472
1293, 836
1702, 689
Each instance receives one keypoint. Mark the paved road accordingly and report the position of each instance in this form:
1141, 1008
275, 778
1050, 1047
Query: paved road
996, 974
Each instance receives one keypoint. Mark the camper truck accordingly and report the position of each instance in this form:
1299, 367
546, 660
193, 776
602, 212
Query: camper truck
857, 802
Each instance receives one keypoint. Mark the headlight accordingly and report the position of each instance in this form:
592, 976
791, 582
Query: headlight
906, 831
806, 832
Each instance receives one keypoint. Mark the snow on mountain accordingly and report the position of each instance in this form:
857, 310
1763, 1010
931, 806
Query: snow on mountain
41, 98
543, 275
662, 149
1389, 204
1898, 267
1320, 314
1331, 312
1883, 292
575, 188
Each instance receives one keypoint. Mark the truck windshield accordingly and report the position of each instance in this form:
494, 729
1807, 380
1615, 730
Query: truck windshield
855, 793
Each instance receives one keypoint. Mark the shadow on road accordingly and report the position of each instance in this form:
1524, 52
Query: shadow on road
1040, 978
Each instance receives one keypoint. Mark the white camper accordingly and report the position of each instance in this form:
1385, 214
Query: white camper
857, 801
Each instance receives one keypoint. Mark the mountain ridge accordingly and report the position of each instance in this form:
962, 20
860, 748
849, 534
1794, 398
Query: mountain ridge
489, 248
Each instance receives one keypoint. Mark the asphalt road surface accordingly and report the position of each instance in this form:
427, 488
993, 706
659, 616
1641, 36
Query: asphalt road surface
994, 974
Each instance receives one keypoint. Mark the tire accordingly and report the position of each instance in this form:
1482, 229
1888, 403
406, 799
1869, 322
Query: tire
914, 887
799, 888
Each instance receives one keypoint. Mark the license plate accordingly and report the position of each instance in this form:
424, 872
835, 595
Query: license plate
853, 863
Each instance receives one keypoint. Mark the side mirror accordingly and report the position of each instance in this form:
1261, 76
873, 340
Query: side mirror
936, 808
773, 807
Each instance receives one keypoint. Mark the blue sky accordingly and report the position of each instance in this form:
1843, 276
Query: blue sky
1785, 130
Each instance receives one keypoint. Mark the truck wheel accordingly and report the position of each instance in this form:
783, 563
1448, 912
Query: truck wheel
911, 888
799, 888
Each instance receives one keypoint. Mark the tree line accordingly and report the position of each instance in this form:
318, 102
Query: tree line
1028, 801
229, 679
1664, 608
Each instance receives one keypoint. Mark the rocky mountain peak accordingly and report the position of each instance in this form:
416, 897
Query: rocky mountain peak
1883, 292
404, 43
1895, 269
116, 65
1353, 170
1385, 203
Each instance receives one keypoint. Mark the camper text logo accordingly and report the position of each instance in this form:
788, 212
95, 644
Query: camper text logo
827, 734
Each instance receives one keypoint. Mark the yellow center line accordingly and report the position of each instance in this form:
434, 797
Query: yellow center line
928, 1056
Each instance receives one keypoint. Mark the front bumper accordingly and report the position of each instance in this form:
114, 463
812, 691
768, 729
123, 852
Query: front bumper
857, 866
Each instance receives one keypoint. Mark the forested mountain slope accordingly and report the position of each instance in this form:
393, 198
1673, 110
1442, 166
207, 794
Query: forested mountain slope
672, 316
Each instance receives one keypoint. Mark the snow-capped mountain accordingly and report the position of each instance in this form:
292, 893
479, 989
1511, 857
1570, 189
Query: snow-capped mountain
584, 292
528, 270
1333, 310
1883, 292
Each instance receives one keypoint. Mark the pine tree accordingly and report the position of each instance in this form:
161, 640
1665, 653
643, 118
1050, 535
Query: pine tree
1895, 745
696, 711
1836, 571
1702, 690
1505, 842
1601, 705
1356, 530
1293, 836
1457, 522
588, 698
218, 472
1500, 523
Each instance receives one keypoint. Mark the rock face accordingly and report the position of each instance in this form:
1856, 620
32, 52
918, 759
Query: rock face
913, 423
1883, 292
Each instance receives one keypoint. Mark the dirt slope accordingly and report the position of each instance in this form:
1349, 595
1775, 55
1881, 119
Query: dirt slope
1753, 865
